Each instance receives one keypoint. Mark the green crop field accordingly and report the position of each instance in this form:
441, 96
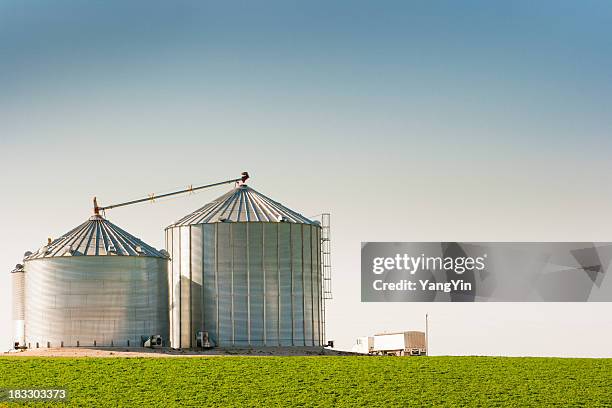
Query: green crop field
316, 381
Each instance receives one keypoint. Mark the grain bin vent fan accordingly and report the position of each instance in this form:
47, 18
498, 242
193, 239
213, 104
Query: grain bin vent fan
154, 341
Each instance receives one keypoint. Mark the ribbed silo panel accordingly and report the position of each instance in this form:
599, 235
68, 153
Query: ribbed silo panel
316, 271
297, 284
18, 282
176, 288
197, 280
285, 285
240, 284
307, 262
270, 241
209, 290
185, 290
256, 284
169, 286
224, 282
18, 309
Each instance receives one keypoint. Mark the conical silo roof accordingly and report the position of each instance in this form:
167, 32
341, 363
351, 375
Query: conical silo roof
242, 204
96, 237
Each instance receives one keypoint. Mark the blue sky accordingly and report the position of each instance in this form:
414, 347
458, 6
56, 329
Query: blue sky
443, 120
536, 70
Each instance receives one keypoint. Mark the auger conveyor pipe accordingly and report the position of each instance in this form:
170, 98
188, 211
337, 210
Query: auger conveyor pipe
97, 208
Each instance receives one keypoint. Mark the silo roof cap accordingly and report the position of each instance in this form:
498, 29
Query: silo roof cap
18, 268
243, 204
96, 237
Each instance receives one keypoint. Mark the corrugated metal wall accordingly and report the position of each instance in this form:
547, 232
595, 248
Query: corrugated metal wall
102, 299
18, 309
246, 284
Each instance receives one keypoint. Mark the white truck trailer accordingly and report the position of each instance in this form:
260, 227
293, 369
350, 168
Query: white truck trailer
408, 343
363, 345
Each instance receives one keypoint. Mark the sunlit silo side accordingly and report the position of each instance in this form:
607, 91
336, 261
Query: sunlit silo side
246, 270
97, 285
18, 310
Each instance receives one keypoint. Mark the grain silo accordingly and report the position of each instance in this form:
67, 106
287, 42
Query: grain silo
97, 285
245, 271
18, 282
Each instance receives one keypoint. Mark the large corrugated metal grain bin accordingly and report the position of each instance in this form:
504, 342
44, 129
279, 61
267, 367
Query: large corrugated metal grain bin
97, 285
246, 270
18, 312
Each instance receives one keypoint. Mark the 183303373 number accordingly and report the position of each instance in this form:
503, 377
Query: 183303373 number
33, 394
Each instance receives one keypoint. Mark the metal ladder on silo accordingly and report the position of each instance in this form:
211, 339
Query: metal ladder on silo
326, 263
326, 254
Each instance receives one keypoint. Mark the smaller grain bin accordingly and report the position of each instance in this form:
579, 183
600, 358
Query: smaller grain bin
97, 285
18, 284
